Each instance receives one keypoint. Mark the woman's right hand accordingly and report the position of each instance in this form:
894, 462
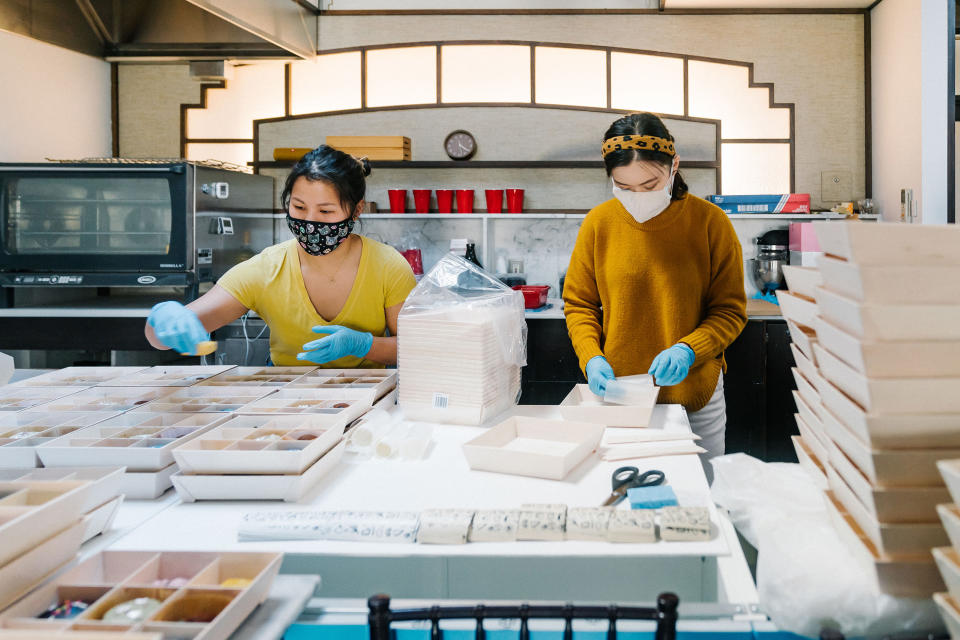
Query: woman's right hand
599, 373
177, 326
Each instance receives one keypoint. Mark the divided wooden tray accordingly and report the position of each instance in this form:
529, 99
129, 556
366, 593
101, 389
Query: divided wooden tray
197, 593
261, 445
169, 376
78, 377
256, 377
348, 404
106, 398
14, 398
22, 432
208, 399
287, 487
137, 441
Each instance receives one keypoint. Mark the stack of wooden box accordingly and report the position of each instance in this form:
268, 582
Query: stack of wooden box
395, 148
878, 378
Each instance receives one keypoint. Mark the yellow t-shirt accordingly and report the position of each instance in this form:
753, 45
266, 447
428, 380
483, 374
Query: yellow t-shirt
271, 284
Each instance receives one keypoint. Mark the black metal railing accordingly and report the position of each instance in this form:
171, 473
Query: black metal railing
664, 614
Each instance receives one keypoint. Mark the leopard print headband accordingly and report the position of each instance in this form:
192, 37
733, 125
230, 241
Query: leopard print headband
646, 143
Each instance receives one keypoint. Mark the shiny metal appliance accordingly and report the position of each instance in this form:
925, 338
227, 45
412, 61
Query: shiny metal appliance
133, 223
772, 254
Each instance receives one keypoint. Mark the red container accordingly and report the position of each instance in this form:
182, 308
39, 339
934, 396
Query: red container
415, 258
445, 200
534, 295
494, 200
398, 200
514, 200
421, 200
464, 200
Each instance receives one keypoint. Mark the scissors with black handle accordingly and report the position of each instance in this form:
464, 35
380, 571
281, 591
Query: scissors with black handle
630, 477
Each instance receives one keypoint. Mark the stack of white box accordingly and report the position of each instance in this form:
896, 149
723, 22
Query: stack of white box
876, 328
456, 365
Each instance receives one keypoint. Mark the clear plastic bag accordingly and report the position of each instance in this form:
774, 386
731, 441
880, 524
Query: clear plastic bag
462, 341
807, 580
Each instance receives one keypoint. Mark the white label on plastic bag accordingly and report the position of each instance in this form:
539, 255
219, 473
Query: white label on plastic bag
440, 400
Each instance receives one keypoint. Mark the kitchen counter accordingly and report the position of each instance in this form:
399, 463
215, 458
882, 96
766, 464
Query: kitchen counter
118, 307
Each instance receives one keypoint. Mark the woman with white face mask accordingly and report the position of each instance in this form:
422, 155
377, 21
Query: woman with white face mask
655, 282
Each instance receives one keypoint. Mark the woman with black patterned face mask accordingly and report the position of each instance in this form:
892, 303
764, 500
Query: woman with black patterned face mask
326, 280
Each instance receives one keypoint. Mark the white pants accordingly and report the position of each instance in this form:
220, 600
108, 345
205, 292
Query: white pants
710, 423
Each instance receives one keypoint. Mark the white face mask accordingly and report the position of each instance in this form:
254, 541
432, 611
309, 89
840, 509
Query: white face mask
644, 205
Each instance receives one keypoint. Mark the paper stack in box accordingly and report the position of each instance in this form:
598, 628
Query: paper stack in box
461, 345
879, 396
373, 147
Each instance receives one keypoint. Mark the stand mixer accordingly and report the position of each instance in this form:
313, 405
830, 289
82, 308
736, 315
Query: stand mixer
772, 253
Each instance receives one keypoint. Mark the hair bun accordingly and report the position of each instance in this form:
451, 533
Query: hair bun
365, 165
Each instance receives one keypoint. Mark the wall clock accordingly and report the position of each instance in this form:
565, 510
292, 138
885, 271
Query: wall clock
460, 145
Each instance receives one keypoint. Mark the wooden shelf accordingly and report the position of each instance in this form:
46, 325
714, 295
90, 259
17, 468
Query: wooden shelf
484, 164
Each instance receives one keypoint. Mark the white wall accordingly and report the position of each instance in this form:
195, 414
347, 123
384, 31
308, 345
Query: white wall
56, 102
935, 128
895, 98
909, 97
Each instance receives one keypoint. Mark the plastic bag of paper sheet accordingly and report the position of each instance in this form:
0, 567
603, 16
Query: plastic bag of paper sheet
461, 343
807, 580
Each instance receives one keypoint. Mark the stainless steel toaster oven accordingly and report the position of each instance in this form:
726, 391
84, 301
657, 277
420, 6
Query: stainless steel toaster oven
130, 224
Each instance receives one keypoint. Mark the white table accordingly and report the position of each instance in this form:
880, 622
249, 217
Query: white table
702, 571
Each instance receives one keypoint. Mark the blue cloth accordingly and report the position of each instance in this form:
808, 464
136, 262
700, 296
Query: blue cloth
340, 343
599, 373
672, 365
651, 497
769, 296
177, 327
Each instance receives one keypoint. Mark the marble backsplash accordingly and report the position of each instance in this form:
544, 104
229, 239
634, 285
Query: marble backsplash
544, 244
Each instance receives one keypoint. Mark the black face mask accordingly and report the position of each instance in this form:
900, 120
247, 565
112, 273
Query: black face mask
320, 238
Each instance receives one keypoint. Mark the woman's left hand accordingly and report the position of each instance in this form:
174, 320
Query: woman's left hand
341, 342
672, 365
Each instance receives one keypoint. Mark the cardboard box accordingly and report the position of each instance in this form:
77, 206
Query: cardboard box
773, 203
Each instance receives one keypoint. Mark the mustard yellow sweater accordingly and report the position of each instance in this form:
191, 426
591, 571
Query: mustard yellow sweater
634, 289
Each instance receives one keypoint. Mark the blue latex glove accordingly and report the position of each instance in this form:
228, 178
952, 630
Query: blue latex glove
599, 373
177, 327
672, 365
341, 342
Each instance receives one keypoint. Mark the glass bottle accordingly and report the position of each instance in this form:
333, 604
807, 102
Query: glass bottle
471, 254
